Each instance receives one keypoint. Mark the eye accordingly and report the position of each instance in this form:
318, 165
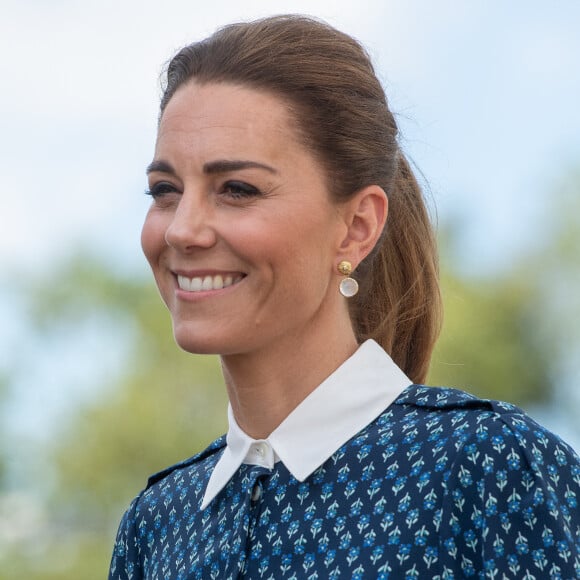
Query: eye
160, 189
239, 189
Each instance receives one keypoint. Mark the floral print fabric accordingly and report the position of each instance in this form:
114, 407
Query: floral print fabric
441, 485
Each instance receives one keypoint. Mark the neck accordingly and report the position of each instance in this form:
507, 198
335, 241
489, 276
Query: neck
265, 387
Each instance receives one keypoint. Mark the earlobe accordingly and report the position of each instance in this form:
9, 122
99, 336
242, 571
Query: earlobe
365, 215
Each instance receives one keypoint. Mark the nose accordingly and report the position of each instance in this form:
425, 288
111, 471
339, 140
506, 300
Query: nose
191, 226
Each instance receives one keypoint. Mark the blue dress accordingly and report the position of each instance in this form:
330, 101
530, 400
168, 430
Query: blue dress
441, 485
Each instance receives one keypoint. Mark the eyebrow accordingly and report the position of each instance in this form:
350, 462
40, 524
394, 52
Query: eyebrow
212, 167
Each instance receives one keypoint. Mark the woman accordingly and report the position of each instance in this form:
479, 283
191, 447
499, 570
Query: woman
275, 167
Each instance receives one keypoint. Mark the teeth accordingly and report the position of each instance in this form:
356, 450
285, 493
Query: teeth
205, 283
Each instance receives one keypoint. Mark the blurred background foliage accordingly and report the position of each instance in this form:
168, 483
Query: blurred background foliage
510, 335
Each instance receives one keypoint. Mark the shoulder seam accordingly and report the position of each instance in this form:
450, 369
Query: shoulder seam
213, 448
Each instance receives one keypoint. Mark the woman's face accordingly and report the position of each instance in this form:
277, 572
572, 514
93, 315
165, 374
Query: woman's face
242, 234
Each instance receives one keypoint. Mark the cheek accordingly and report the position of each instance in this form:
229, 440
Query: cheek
305, 254
152, 237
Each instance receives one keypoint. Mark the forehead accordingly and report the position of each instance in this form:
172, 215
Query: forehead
228, 117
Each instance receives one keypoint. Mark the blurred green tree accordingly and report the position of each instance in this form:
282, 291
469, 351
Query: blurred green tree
488, 345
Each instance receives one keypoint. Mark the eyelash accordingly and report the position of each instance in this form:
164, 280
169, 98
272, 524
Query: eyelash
160, 189
239, 189
234, 189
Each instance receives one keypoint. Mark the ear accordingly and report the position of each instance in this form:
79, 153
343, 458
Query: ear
365, 215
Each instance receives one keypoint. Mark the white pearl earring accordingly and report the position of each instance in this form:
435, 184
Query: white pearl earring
348, 286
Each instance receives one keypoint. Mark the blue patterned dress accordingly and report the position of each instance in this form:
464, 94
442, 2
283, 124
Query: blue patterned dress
440, 485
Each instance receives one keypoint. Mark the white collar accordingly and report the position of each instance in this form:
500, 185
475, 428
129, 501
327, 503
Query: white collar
353, 396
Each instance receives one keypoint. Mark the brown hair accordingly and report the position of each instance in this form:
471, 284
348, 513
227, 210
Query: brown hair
341, 112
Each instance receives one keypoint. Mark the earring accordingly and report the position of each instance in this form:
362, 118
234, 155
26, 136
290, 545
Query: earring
349, 286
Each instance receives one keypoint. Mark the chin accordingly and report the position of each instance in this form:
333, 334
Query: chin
198, 341
193, 344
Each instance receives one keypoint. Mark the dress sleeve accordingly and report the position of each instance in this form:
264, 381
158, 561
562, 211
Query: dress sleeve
125, 562
511, 504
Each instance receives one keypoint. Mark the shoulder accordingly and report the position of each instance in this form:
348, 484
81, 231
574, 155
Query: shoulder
460, 407
494, 449
483, 430
465, 413
421, 396
510, 488
182, 478
205, 460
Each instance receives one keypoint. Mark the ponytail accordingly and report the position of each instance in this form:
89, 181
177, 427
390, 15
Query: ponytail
399, 305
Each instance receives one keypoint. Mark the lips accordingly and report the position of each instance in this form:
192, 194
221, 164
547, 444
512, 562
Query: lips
207, 282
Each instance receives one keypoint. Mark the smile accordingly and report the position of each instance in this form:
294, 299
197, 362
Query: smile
206, 283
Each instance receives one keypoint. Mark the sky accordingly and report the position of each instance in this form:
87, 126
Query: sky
485, 92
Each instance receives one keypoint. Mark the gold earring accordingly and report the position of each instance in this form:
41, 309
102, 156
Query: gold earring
349, 286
